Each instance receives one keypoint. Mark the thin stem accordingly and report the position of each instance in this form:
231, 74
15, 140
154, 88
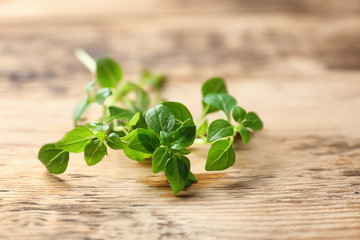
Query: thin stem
203, 114
86, 59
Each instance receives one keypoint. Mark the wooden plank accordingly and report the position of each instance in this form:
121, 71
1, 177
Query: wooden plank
296, 63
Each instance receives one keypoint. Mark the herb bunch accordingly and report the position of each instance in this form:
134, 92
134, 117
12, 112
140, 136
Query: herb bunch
164, 132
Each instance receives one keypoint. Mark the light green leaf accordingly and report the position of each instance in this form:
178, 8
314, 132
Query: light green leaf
97, 126
245, 135
238, 114
221, 156
54, 159
80, 109
253, 121
213, 85
179, 110
119, 113
220, 101
108, 72
160, 118
177, 172
219, 129
144, 141
131, 153
114, 142
203, 127
76, 140
95, 152
161, 155
102, 94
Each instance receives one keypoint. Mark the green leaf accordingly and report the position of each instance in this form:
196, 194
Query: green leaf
219, 129
177, 172
114, 142
245, 135
102, 94
97, 126
191, 180
160, 118
142, 99
161, 155
238, 114
134, 120
119, 113
54, 159
253, 121
131, 153
144, 141
203, 127
89, 87
76, 140
220, 101
108, 72
95, 152
166, 139
213, 85
221, 156
185, 135
152, 78
179, 110
80, 109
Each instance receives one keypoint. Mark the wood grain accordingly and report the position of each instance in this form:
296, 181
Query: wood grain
296, 63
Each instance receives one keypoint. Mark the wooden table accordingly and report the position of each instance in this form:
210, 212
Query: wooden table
296, 63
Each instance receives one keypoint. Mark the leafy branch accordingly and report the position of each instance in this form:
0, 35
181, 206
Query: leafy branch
163, 132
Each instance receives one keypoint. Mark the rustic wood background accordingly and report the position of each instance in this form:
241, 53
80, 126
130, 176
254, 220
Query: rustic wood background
296, 63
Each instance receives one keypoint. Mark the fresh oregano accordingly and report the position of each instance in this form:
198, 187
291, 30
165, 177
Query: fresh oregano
163, 132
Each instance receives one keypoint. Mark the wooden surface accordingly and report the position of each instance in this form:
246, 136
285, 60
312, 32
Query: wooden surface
296, 63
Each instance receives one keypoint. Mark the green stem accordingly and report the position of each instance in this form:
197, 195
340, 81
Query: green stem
203, 114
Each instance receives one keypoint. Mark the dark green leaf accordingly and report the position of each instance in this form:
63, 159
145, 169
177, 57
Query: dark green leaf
81, 108
144, 141
191, 180
220, 101
166, 139
185, 135
119, 113
161, 155
238, 114
253, 121
179, 110
219, 129
108, 72
114, 141
221, 156
177, 172
97, 126
102, 94
213, 85
203, 127
76, 140
245, 135
95, 152
160, 118
54, 159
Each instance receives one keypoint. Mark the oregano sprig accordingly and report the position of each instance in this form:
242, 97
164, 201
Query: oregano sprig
163, 132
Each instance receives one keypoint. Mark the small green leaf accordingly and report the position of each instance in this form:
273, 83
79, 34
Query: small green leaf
95, 152
142, 99
102, 94
155, 79
144, 141
245, 135
119, 113
185, 135
114, 142
203, 127
76, 140
221, 156
191, 180
166, 139
253, 121
160, 118
133, 121
97, 126
220, 101
131, 153
54, 159
161, 155
238, 114
108, 72
179, 110
219, 129
213, 85
80, 109
177, 172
